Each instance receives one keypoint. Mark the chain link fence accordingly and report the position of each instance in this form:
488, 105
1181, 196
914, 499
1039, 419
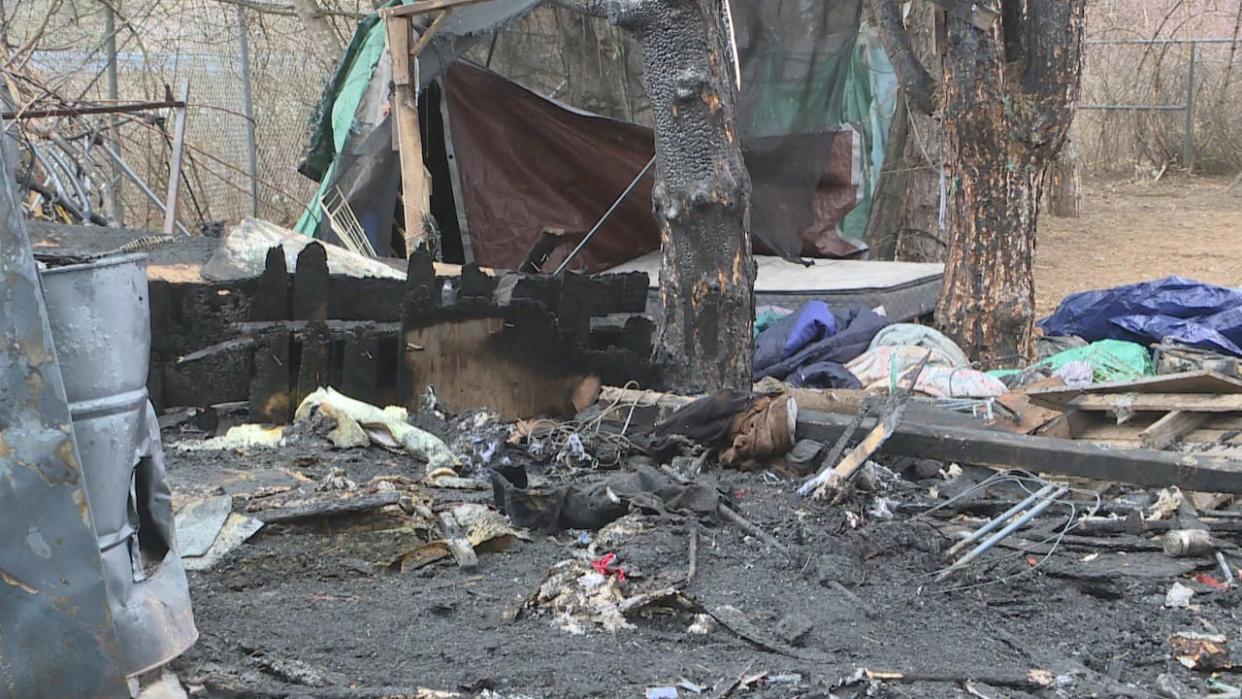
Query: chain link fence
161, 45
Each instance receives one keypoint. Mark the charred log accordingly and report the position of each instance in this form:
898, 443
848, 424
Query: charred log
702, 191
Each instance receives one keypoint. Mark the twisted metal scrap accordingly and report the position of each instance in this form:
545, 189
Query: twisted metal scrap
56, 637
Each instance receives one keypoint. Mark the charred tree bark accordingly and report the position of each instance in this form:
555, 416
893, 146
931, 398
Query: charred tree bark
1064, 191
702, 190
1009, 95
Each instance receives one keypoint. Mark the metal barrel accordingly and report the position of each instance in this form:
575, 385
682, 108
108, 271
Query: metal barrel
99, 314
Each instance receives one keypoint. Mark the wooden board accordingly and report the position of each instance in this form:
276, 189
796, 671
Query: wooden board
1158, 402
415, 180
1187, 382
1030, 417
467, 364
1172, 428
969, 445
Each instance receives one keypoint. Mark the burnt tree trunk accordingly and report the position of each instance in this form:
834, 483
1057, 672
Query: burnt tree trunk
702, 190
1064, 192
1008, 98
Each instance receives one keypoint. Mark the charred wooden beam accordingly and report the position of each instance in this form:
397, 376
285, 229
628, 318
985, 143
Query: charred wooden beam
360, 366
313, 371
972, 445
271, 299
311, 284
270, 400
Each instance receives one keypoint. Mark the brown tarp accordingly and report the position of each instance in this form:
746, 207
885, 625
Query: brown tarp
525, 162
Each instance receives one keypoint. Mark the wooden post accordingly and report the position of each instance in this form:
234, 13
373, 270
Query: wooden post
174, 164
415, 180
316, 360
360, 366
271, 299
311, 284
269, 385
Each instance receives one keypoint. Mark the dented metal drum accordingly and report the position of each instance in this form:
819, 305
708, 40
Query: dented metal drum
100, 318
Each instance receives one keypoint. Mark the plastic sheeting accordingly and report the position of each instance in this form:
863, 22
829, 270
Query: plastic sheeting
1110, 360
805, 141
1192, 313
242, 254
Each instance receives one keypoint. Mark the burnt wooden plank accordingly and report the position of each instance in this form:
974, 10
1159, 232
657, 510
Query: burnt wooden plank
313, 371
474, 283
365, 298
271, 299
1159, 402
973, 445
299, 326
270, 400
360, 365
1171, 428
1186, 382
326, 506
311, 284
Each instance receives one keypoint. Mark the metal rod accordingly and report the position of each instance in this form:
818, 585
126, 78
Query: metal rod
603, 219
1188, 136
1000, 535
133, 177
116, 210
999, 520
252, 158
174, 163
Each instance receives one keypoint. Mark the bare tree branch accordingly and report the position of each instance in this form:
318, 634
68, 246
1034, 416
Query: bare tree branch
911, 74
288, 10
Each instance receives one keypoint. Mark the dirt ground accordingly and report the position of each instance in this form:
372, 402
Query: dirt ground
1134, 231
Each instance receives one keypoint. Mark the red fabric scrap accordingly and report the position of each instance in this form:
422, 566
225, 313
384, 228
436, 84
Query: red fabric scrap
1210, 581
606, 565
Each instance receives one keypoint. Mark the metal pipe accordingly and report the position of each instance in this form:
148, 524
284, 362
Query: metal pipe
116, 210
133, 177
999, 520
252, 158
1000, 535
1188, 135
174, 162
602, 219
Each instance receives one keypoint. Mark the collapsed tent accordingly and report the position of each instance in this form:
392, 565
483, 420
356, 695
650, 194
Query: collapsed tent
812, 112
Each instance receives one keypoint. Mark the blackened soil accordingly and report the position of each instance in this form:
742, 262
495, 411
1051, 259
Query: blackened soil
321, 597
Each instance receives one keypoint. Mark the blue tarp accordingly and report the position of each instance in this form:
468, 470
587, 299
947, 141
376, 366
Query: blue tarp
1183, 310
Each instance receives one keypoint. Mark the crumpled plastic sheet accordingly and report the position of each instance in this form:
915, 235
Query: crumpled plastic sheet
242, 254
1193, 313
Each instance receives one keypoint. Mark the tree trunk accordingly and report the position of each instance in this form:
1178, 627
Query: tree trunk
321, 38
702, 191
1065, 183
1003, 125
889, 201
1008, 99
